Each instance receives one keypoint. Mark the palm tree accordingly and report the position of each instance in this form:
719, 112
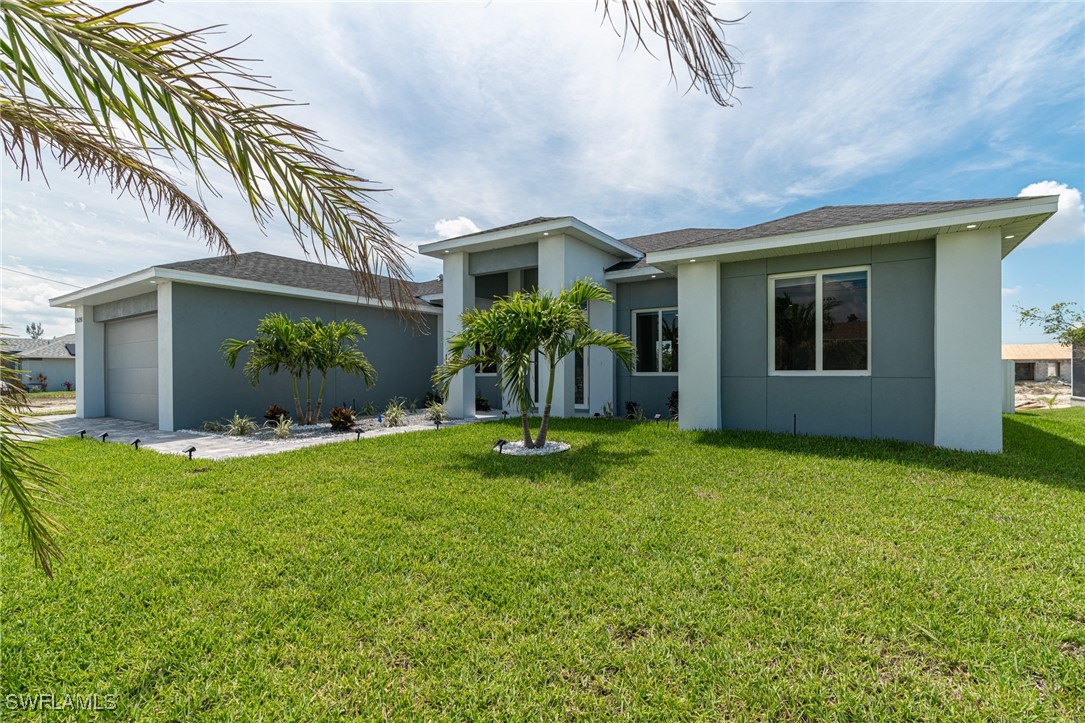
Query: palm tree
300, 348
333, 346
280, 346
516, 329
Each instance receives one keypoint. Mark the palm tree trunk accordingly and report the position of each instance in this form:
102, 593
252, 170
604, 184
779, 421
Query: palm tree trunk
527, 428
320, 394
309, 398
297, 399
540, 441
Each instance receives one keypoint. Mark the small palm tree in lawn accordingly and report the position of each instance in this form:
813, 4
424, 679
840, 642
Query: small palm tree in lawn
301, 348
517, 328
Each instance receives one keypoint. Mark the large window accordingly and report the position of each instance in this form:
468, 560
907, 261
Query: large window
820, 322
655, 335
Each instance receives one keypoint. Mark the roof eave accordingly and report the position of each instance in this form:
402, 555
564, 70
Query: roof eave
518, 235
1024, 215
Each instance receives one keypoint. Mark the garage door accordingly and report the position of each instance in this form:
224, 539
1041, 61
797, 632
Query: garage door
131, 365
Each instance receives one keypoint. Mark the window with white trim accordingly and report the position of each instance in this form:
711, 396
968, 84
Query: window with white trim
655, 336
819, 322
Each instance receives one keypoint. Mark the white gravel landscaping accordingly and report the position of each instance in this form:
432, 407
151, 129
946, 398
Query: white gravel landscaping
519, 450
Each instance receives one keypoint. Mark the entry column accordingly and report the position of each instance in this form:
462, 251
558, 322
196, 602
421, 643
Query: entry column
699, 349
459, 295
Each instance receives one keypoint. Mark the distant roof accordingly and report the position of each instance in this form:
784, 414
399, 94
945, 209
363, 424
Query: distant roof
267, 268
1036, 352
837, 216
61, 347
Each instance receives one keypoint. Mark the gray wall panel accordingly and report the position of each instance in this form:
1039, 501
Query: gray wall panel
744, 326
206, 388
896, 401
133, 306
506, 259
838, 406
902, 318
902, 409
744, 402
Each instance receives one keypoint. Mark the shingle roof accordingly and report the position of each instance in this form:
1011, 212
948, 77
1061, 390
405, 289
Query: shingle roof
837, 216
61, 347
267, 268
1036, 352
663, 240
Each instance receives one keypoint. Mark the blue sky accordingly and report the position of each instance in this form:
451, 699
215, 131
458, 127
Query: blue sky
481, 114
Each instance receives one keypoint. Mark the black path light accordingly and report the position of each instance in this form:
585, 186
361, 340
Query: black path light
358, 434
103, 435
657, 418
499, 445
437, 423
136, 443
188, 451
504, 414
82, 434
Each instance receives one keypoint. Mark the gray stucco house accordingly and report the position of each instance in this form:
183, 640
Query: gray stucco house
860, 321
53, 359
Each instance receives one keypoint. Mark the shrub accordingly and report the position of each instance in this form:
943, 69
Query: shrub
369, 410
342, 419
274, 413
672, 404
240, 426
68, 386
413, 406
43, 382
633, 411
282, 426
435, 412
482, 404
213, 426
395, 414
433, 396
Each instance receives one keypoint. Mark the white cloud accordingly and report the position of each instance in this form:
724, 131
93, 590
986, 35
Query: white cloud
1068, 223
452, 227
1011, 291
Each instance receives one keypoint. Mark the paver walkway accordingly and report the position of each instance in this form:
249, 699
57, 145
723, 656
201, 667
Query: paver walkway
208, 446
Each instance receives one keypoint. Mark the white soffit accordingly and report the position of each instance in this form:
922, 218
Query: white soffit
1016, 218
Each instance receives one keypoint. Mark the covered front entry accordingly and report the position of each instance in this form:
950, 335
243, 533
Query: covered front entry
131, 368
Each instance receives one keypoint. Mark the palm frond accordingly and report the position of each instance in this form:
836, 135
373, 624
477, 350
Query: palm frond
27, 484
78, 146
200, 106
691, 33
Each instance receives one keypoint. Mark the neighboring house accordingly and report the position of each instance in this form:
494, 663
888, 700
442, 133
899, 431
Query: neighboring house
1038, 362
859, 321
1077, 377
53, 359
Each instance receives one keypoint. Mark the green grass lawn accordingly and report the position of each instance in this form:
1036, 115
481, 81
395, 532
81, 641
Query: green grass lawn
51, 395
647, 573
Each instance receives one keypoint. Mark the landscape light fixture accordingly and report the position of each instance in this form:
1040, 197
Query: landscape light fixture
82, 434
103, 435
358, 434
437, 423
135, 443
499, 445
970, 226
657, 418
504, 414
188, 451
